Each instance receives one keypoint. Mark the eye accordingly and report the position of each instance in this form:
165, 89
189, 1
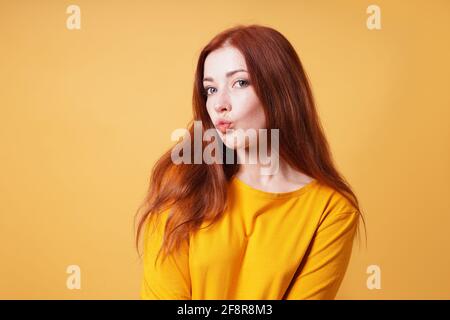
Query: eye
206, 90
243, 83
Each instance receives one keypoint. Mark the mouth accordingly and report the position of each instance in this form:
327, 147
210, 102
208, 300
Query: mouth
223, 125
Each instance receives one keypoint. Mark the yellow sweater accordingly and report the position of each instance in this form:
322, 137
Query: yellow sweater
291, 245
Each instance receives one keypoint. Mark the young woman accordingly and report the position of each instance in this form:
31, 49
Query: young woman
228, 230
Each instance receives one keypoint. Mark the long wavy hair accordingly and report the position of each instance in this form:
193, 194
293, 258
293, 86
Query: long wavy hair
198, 192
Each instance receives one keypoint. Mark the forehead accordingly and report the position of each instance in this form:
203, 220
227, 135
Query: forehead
222, 60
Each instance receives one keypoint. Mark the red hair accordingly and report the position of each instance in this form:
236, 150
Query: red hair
197, 192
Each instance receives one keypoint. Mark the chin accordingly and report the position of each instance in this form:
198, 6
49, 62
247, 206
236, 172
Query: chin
233, 140
233, 144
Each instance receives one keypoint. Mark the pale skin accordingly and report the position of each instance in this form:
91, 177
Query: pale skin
233, 97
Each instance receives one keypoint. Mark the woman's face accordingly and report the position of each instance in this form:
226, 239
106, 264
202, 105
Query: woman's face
231, 96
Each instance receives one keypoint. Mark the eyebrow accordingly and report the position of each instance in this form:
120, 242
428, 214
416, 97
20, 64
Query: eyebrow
228, 74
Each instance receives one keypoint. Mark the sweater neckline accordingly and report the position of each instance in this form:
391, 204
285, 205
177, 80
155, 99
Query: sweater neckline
272, 195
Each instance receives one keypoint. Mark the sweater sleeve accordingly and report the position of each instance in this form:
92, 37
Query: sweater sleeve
168, 279
323, 268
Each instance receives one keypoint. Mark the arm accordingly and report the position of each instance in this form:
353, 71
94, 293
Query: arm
168, 280
322, 271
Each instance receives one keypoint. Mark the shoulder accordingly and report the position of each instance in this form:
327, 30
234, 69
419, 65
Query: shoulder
332, 202
156, 222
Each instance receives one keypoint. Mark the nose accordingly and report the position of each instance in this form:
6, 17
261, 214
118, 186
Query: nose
222, 103
220, 108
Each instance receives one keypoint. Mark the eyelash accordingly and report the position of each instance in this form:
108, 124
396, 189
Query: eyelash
247, 83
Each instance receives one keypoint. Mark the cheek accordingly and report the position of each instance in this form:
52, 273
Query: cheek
251, 112
209, 110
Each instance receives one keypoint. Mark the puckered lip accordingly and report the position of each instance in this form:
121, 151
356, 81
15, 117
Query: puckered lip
222, 121
223, 125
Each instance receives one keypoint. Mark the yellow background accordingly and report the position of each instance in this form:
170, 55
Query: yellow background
85, 113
